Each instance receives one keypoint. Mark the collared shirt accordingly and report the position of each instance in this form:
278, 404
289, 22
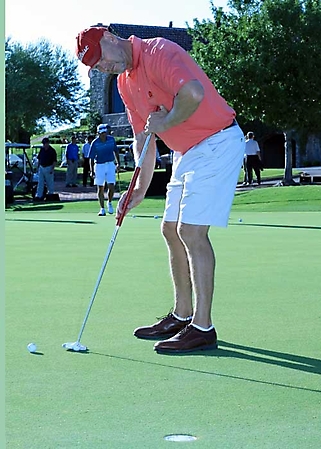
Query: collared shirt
86, 149
103, 152
72, 151
251, 147
160, 69
47, 157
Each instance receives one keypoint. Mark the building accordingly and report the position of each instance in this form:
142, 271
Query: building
106, 100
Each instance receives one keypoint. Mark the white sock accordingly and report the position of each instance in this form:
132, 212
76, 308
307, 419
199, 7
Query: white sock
203, 329
180, 318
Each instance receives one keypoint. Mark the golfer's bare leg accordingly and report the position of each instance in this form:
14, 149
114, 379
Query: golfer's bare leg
180, 272
101, 196
202, 264
111, 191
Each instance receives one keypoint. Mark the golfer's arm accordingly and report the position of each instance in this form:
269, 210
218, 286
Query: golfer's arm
116, 154
185, 103
147, 169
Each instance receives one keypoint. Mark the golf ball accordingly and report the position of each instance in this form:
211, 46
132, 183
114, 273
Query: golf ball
134, 216
240, 220
32, 347
156, 216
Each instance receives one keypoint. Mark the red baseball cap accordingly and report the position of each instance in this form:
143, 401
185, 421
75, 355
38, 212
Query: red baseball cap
88, 48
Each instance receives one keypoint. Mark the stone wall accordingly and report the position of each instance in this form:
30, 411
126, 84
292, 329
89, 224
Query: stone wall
98, 82
99, 101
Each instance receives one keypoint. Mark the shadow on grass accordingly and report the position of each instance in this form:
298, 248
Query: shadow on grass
276, 225
291, 361
51, 221
36, 207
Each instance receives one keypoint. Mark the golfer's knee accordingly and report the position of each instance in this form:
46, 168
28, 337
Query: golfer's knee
192, 235
169, 231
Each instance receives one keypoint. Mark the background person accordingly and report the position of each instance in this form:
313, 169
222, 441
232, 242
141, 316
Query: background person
72, 156
86, 164
47, 159
103, 152
244, 171
253, 158
167, 94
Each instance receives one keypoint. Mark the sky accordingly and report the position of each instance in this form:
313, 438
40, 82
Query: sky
59, 21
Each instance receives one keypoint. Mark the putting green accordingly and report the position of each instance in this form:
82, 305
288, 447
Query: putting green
260, 389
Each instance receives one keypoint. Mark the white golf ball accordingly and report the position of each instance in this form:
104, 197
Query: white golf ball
134, 216
240, 220
156, 216
32, 347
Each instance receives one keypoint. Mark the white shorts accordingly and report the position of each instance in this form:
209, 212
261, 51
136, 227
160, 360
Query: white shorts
105, 173
203, 181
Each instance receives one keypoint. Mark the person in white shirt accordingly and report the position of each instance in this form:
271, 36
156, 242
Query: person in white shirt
253, 158
86, 165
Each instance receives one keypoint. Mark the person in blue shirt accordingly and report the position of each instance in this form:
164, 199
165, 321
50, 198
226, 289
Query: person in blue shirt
103, 151
72, 156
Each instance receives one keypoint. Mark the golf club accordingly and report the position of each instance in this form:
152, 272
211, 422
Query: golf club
77, 346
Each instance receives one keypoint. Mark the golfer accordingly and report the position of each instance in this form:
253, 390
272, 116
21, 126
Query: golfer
166, 93
102, 154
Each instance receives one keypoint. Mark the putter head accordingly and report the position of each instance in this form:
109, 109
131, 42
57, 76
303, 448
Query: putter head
75, 346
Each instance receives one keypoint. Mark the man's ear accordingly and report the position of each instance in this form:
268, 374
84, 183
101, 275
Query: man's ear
109, 36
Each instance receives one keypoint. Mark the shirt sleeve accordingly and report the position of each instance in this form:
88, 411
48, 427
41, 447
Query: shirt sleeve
92, 152
54, 155
169, 67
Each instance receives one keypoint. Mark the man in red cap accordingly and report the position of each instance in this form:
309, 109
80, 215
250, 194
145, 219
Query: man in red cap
166, 93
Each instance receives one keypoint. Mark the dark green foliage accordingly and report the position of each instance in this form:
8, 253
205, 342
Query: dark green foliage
93, 120
42, 85
264, 58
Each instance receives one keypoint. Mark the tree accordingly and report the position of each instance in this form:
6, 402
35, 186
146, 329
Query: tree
42, 85
93, 120
263, 56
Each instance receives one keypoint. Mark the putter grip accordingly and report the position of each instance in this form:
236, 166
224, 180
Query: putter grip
128, 196
133, 180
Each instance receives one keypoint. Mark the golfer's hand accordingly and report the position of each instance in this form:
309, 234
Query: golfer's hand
156, 121
134, 201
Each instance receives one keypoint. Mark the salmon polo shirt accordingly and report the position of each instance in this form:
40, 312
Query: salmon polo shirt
160, 69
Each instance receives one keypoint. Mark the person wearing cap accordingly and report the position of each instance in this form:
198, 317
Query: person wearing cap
167, 94
47, 160
102, 154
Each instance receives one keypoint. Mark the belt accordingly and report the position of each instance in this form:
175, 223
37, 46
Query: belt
234, 123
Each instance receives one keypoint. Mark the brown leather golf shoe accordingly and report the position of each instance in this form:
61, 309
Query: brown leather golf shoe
167, 327
187, 340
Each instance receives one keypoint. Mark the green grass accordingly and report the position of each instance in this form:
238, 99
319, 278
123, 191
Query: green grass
273, 199
266, 174
260, 389
294, 198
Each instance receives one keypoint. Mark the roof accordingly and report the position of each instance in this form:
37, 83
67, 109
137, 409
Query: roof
178, 35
